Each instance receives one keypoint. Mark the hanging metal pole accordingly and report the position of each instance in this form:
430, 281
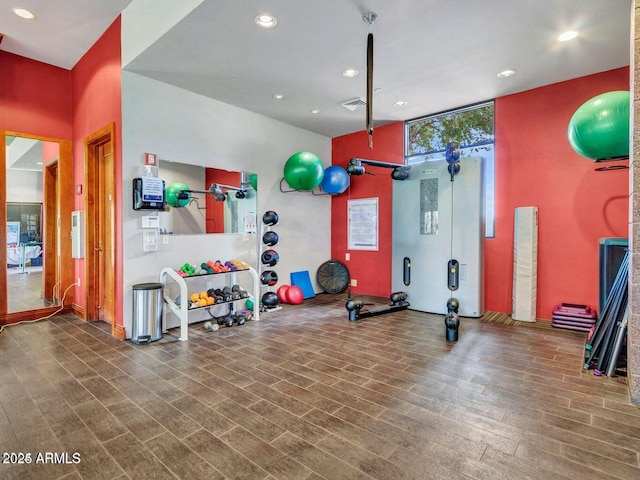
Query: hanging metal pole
369, 18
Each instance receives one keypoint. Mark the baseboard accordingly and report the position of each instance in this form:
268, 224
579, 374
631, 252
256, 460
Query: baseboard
78, 311
119, 332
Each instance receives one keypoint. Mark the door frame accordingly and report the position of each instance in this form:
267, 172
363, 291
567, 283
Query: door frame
61, 244
93, 175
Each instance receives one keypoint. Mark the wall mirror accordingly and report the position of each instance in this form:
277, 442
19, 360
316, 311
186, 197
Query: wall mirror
204, 200
28, 287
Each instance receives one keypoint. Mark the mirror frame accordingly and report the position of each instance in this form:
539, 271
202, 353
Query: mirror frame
57, 205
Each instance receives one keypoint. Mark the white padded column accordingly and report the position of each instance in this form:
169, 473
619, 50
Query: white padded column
525, 264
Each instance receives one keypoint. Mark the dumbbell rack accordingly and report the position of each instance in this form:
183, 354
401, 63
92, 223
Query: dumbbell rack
263, 247
182, 310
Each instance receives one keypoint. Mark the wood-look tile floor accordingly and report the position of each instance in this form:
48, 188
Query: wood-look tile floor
306, 394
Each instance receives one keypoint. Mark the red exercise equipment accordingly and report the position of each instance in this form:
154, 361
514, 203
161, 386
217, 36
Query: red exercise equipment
294, 295
282, 293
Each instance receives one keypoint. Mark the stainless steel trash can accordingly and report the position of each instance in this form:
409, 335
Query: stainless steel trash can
147, 313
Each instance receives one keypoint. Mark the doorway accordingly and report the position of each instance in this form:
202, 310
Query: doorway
100, 227
34, 173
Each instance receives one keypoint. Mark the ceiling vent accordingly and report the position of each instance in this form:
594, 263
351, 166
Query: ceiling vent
354, 103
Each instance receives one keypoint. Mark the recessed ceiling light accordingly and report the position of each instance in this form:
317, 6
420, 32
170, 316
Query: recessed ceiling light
507, 73
350, 73
24, 13
266, 21
278, 96
568, 35
315, 111
401, 103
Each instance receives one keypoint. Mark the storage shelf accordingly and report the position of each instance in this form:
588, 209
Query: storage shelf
182, 310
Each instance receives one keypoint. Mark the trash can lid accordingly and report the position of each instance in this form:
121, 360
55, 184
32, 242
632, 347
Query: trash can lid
147, 286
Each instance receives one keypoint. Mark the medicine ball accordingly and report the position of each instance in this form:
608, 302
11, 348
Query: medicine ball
270, 299
269, 277
270, 257
270, 217
270, 238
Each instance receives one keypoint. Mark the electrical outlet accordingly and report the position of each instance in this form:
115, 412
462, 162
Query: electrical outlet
347, 256
165, 239
78, 281
354, 282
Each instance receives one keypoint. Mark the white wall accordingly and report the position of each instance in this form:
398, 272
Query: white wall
24, 186
188, 128
145, 21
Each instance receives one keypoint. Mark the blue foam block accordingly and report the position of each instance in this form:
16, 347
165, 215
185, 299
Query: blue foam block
302, 280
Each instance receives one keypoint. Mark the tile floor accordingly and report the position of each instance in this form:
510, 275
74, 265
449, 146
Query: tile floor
24, 289
306, 394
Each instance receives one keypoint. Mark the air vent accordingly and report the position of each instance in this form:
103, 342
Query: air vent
354, 103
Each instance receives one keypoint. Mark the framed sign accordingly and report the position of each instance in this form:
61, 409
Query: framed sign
362, 224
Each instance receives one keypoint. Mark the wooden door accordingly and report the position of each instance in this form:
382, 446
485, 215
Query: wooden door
105, 233
99, 226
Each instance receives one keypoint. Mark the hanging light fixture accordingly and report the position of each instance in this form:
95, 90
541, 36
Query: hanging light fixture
370, 18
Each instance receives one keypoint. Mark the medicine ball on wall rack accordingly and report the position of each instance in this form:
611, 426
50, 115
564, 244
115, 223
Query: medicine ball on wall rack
270, 238
269, 277
270, 218
270, 257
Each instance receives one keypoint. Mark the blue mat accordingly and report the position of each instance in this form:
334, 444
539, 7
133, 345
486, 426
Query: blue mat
302, 280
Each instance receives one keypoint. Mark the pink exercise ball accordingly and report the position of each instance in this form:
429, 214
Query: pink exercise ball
294, 295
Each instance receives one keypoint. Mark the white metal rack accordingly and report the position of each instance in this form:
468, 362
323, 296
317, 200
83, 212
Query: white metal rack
182, 310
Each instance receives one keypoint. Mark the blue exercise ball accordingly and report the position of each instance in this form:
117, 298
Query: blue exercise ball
335, 180
303, 171
599, 129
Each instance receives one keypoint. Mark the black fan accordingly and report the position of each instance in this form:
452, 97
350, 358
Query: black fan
333, 276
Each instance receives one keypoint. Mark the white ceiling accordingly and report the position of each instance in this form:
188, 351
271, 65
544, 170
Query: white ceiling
433, 54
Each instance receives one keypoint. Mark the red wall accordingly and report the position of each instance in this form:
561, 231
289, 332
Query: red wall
371, 270
34, 97
535, 165
96, 100
214, 221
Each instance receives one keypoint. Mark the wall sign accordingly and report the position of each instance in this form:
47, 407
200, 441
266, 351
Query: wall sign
362, 224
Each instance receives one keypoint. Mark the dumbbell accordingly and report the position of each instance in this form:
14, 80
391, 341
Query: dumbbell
217, 294
240, 319
211, 326
225, 296
226, 291
243, 293
228, 321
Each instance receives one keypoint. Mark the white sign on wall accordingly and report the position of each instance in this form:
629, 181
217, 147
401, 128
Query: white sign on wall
362, 224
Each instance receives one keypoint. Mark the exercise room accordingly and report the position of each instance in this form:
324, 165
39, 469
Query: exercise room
302, 240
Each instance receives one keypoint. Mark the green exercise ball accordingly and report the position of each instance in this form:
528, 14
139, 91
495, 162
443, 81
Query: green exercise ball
253, 179
599, 129
171, 194
303, 171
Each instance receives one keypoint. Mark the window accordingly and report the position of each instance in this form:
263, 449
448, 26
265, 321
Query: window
426, 138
